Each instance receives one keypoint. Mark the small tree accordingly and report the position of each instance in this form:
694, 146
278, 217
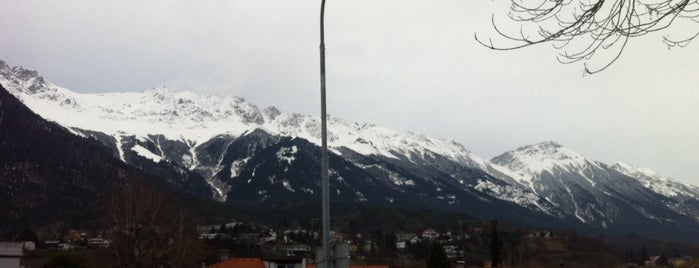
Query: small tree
437, 257
147, 229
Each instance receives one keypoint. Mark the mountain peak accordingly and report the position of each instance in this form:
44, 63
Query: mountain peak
635, 170
21, 79
530, 160
272, 112
542, 147
550, 144
162, 90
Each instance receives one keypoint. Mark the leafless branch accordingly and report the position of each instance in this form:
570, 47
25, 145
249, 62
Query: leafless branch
148, 229
679, 43
581, 28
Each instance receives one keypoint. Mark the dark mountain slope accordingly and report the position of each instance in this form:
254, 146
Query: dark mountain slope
49, 175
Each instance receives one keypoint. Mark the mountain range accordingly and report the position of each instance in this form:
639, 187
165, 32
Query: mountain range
226, 149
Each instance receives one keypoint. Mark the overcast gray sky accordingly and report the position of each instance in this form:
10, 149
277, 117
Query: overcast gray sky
405, 64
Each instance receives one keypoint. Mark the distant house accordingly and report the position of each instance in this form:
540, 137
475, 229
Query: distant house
29, 245
259, 263
543, 234
223, 254
285, 263
52, 243
208, 236
354, 266
240, 263
453, 251
250, 237
98, 242
429, 234
298, 250
353, 247
268, 236
65, 246
233, 224
369, 246
652, 261
335, 236
401, 245
10, 254
73, 236
409, 237
205, 229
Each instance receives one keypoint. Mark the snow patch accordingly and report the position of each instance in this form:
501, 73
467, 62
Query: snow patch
287, 154
119, 148
220, 187
512, 193
287, 186
193, 154
358, 196
237, 166
575, 205
140, 150
307, 190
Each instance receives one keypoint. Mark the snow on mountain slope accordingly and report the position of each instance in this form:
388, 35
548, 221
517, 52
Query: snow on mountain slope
591, 191
526, 163
684, 198
225, 148
196, 118
659, 184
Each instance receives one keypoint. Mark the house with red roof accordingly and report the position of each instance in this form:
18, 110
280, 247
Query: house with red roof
240, 263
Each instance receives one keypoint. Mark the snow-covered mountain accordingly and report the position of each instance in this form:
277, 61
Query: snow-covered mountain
197, 133
654, 181
685, 198
593, 192
225, 148
197, 118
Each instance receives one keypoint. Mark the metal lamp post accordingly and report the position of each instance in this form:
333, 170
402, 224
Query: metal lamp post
325, 185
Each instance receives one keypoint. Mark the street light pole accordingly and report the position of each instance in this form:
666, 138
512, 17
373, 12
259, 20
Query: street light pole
325, 184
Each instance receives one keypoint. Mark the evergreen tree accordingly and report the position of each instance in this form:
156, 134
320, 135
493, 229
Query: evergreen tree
495, 244
437, 257
643, 257
28, 235
65, 260
662, 261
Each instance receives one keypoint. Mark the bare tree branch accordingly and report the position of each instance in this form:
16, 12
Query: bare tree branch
582, 28
148, 229
679, 43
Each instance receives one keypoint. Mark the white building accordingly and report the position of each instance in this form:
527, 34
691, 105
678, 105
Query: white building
10, 254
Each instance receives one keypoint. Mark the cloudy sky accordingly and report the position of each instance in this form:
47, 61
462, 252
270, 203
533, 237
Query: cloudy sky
409, 65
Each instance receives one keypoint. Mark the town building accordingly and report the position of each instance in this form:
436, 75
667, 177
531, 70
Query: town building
10, 254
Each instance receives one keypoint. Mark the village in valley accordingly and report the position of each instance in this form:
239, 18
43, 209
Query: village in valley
238, 244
